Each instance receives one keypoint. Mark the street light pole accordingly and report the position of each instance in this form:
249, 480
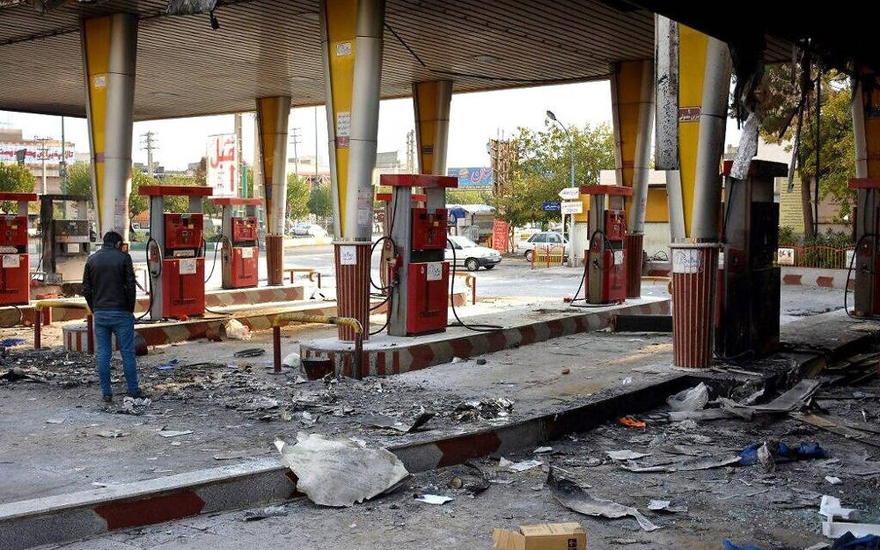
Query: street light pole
552, 117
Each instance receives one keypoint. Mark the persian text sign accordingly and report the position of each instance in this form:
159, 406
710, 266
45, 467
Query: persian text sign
222, 165
472, 178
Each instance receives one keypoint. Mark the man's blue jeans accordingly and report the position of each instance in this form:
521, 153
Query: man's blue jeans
121, 323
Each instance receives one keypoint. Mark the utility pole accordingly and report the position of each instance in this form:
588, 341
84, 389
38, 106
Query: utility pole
149, 143
295, 138
44, 150
411, 152
62, 164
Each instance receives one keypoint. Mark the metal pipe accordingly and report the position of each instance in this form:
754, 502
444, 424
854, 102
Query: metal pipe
713, 121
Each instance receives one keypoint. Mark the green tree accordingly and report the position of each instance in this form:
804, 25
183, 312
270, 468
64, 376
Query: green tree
780, 94
542, 169
14, 179
138, 203
298, 197
320, 201
79, 180
468, 196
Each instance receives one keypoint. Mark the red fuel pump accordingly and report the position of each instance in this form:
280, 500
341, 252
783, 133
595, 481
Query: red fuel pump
241, 251
418, 199
175, 253
605, 267
14, 257
420, 276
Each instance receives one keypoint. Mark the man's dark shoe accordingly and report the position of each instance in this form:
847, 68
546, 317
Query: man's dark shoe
107, 399
140, 395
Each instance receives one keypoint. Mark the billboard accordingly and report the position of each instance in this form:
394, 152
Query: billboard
472, 178
221, 165
33, 151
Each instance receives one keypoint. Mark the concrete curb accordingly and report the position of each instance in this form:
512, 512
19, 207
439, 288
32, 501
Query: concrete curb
808, 276
85, 514
404, 358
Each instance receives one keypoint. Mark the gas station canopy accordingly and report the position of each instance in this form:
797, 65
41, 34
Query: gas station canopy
272, 48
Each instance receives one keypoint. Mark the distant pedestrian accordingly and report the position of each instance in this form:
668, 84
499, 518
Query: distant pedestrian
109, 289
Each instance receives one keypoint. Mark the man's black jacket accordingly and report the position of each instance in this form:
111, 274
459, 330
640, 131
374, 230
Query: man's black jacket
108, 280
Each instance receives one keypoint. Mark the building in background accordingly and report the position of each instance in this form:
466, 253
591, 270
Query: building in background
36, 152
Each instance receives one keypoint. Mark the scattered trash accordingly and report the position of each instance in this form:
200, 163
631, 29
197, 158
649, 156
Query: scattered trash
521, 466
566, 371
861, 433
780, 452
134, 406
470, 478
174, 433
235, 330
249, 352
315, 369
169, 365
263, 513
11, 342
486, 409
626, 454
112, 434
689, 464
542, 450
833, 480
54, 421
849, 541
727, 545
626, 381
339, 472
575, 498
830, 508
434, 499
546, 536
404, 427
292, 361
793, 399
839, 530
665, 506
308, 418
692, 399
632, 422
481, 361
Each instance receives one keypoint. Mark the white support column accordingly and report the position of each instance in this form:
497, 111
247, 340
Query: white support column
109, 49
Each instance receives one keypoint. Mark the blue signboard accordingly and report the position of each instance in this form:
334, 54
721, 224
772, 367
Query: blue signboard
552, 207
472, 178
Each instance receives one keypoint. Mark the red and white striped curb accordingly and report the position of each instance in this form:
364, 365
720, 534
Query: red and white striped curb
827, 278
404, 358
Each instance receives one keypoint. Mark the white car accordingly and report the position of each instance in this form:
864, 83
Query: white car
470, 255
305, 229
543, 239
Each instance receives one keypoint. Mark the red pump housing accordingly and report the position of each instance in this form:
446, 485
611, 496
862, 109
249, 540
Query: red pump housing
14, 257
605, 267
183, 266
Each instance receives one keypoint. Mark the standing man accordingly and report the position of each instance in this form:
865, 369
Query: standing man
109, 289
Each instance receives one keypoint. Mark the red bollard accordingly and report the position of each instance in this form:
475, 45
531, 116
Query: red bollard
90, 334
276, 348
38, 320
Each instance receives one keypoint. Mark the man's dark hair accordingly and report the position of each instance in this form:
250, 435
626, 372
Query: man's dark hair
112, 238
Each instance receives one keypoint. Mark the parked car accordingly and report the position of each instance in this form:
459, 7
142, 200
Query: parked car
305, 229
544, 238
470, 255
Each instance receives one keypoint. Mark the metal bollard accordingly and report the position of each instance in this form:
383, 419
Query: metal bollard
38, 320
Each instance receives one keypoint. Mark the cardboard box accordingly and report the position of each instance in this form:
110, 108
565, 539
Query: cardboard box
544, 536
